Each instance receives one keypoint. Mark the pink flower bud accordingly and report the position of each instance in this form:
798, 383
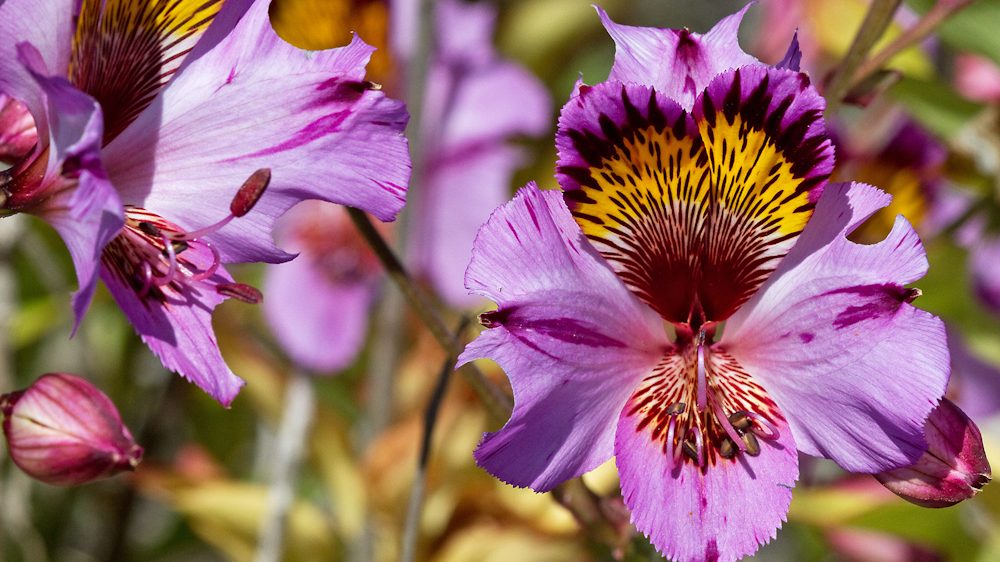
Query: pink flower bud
954, 467
62, 430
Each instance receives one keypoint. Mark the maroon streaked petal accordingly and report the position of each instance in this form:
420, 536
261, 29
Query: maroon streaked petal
124, 51
694, 214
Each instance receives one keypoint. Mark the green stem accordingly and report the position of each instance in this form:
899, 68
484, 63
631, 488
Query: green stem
924, 27
876, 21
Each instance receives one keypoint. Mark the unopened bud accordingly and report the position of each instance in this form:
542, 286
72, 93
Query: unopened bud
250, 192
954, 467
62, 430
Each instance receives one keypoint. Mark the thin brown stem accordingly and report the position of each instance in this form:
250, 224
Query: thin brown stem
497, 402
414, 510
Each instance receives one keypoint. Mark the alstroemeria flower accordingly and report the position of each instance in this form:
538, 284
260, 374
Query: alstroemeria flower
149, 118
695, 196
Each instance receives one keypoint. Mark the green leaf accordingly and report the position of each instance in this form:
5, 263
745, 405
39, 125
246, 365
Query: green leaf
935, 105
972, 29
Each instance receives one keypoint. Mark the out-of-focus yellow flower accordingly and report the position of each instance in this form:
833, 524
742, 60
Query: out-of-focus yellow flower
323, 24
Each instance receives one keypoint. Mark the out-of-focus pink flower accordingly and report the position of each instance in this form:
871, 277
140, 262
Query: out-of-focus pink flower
475, 103
317, 305
62, 430
954, 467
873, 546
977, 78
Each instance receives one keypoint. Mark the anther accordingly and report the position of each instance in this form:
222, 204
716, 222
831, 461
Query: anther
149, 229
690, 451
693, 450
752, 445
676, 408
740, 420
250, 192
761, 424
727, 449
241, 292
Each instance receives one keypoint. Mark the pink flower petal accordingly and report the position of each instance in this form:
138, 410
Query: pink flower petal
676, 62
855, 368
572, 339
320, 322
178, 327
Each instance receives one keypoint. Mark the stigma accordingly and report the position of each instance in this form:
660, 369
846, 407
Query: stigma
163, 262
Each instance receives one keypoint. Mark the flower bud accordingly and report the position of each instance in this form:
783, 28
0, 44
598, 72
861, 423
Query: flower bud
954, 467
62, 430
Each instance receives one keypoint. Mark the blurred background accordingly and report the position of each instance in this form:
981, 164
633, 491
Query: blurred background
202, 491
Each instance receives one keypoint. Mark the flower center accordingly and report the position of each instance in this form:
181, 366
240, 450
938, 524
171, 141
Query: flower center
161, 261
702, 406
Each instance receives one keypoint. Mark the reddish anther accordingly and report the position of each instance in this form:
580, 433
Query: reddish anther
250, 192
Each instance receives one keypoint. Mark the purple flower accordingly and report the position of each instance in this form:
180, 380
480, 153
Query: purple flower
469, 164
689, 179
317, 305
62, 430
476, 102
145, 137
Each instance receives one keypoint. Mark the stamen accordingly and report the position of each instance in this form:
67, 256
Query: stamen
172, 259
753, 446
702, 382
147, 279
761, 422
240, 291
216, 260
244, 200
726, 425
250, 192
